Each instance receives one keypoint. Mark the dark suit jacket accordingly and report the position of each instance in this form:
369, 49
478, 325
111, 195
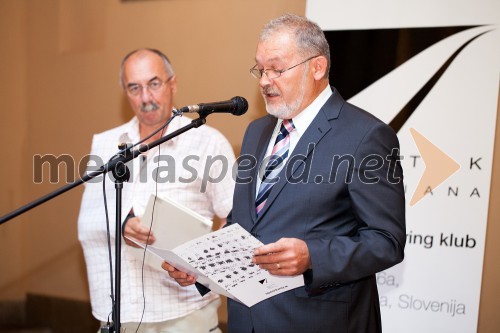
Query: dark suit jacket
342, 192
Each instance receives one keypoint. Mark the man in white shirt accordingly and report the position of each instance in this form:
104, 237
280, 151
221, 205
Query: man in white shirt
188, 166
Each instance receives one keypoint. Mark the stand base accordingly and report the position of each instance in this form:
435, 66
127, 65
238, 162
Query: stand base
106, 329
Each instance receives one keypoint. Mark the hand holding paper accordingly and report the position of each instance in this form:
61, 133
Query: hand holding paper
219, 260
182, 278
134, 229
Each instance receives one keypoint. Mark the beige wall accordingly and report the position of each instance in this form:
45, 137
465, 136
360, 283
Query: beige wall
13, 129
59, 84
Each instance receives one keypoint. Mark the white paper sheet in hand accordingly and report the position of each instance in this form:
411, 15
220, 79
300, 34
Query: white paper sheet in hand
222, 261
172, 224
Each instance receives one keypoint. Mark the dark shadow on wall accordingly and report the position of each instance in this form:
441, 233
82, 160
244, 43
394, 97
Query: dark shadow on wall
46, 314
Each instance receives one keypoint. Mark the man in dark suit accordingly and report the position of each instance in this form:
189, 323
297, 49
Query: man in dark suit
327, 200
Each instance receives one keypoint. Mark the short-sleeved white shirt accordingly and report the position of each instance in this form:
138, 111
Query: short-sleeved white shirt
190, 173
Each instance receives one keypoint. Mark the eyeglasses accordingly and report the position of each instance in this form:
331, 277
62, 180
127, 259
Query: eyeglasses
274, 73
153, 85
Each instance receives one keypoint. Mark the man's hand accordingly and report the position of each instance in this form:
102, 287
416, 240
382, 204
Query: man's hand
287, 256
182, 278
134, 229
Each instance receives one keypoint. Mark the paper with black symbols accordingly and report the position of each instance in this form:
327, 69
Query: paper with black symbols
222, 261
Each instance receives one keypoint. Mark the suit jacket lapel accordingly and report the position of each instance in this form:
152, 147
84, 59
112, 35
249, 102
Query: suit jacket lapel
313, 135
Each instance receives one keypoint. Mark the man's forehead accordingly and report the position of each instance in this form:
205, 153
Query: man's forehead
274, 54
143, 69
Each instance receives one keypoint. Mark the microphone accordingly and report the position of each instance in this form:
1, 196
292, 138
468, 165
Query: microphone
236, 106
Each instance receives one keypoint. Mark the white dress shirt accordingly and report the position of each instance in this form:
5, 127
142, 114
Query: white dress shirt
189, 157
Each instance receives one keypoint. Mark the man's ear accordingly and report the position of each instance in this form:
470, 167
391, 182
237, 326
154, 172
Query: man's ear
319, 66
173, 84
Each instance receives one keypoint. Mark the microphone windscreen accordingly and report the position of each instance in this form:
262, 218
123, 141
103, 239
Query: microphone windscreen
241, 105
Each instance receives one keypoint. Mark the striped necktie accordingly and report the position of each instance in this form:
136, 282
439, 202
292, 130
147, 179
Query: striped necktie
276, 162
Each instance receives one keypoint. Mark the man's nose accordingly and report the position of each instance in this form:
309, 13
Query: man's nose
146, 95
264, 81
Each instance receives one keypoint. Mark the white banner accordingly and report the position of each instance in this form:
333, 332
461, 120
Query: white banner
445, 100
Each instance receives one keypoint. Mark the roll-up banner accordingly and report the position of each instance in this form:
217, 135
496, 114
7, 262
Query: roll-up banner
430, 69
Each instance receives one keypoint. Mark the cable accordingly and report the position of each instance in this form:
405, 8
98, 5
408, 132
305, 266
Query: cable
108, 234
149, 234
175, 113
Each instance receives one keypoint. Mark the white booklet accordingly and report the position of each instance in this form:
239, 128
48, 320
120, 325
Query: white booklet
172, 224
220, 260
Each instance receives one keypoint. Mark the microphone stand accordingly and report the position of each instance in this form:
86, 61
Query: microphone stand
121, 173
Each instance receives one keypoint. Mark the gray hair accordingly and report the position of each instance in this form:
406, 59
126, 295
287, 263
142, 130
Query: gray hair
309, 37
168, 65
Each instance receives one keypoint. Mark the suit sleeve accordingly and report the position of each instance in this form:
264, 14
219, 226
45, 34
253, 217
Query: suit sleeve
377, 201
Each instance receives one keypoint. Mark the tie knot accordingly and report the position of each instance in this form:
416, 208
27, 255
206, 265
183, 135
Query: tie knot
287, 126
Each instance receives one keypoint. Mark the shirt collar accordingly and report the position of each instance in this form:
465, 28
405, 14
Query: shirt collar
131, 131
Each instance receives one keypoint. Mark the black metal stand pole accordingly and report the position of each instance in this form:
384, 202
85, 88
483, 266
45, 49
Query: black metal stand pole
118, 256
121, 174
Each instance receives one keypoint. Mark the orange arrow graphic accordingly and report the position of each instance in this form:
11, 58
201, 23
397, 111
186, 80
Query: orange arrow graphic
438, 166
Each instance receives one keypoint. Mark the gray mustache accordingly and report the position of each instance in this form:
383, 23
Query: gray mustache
148, 107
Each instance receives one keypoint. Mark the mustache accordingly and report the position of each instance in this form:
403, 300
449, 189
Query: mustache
269, 91
148, 107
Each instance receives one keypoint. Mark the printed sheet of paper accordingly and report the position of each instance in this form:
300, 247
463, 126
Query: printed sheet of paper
222, 261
